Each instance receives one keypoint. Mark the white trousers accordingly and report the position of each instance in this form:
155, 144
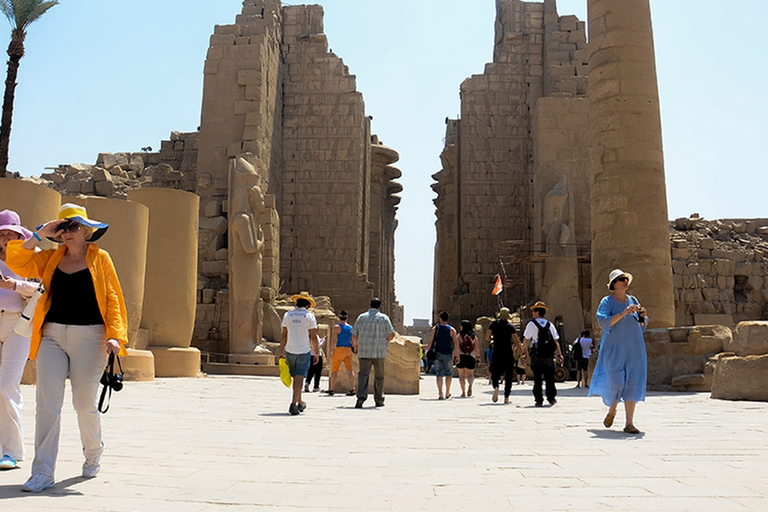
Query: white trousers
78, 352
14, 351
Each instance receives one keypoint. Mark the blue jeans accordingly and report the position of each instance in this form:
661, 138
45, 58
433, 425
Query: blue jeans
298, 364
444, 365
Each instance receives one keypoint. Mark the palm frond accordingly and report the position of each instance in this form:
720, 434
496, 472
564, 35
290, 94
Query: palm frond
21, 13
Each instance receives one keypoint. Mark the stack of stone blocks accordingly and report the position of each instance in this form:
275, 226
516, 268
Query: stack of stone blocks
719, 270
115, 174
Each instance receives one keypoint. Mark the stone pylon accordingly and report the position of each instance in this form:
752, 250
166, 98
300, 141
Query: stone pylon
628, 193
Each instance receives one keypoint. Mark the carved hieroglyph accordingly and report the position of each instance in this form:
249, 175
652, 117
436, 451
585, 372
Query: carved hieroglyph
246, 241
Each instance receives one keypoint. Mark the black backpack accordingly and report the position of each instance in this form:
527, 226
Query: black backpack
545, 344
577, 351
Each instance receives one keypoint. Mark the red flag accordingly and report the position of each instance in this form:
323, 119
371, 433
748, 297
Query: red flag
498, 287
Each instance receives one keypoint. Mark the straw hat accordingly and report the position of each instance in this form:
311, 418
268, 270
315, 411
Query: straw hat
504, 314
618, 273
539, 304
304, 295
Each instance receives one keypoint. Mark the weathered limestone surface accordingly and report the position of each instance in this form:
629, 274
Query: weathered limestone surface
384, 201
126, 242
327, 157
113, 175
749, 339
498, 164
562, 141
628, 192
169, 300
402, 375
276, 96
719, 268
740, 378
246, 243
682, 351
34, 203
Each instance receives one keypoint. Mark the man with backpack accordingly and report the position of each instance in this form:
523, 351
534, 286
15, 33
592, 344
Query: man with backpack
542, 340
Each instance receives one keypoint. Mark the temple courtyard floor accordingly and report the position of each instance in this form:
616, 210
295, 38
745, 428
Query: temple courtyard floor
229, 444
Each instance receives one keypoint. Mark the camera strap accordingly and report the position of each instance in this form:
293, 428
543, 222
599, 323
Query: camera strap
106, 380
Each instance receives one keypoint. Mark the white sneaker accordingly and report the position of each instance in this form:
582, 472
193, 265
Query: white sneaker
38, 483
91, 468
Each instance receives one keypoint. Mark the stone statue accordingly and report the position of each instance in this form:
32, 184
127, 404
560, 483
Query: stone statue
246, 241
560, 283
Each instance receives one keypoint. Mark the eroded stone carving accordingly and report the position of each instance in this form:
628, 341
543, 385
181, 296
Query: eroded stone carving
560, 282
246, 241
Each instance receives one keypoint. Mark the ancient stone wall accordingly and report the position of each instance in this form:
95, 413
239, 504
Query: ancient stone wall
447, 261
326, 180
561, 209
275, 97
241, 117
487, 189
114, 174
719, 270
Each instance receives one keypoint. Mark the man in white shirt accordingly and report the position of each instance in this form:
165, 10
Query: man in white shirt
541, 338
299, 337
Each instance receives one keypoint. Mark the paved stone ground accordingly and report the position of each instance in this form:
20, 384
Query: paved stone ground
228, 444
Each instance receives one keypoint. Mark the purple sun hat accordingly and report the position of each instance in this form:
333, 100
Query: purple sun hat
10, 220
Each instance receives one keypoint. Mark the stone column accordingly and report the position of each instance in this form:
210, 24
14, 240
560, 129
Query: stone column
126, 243
170, 288
35, 204
379, 271
628, 193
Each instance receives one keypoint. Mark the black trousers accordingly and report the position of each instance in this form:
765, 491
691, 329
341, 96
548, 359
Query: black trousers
315, 371
546, 373
504, 367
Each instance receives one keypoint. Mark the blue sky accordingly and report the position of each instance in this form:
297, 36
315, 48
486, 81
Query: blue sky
103, 75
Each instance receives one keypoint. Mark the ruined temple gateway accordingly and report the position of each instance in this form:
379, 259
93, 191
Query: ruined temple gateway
553, 176
296, 193
517, 186
276, 98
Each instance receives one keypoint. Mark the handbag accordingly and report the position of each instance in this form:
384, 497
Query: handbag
23, 325
110, 380
431, 355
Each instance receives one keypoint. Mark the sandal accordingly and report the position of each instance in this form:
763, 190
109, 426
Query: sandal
631, 429
608, 421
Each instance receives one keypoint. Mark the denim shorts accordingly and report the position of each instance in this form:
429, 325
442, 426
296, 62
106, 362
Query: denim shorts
444, 365
298, 364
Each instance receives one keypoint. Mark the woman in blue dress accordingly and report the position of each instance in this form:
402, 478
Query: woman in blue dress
621, 371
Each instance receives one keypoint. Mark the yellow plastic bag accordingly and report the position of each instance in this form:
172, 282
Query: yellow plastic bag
285, 374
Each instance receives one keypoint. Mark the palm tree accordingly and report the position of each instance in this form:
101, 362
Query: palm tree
21, 13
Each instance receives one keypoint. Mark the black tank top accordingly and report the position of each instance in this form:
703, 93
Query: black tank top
73, 299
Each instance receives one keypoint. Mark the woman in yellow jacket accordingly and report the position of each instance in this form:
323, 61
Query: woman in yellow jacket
80, 319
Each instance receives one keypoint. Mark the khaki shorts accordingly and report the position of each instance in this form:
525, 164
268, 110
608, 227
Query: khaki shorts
341, 354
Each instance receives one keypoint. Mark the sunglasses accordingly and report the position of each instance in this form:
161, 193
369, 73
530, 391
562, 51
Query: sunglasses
70, 225
622, 279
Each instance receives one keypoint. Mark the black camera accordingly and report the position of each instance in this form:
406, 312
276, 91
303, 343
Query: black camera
112, 380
